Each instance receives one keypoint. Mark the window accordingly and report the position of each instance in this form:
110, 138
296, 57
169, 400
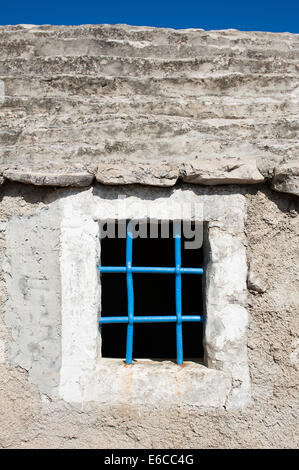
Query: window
89, 373
138, 285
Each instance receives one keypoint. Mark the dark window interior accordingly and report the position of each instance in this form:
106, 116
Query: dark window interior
154, 294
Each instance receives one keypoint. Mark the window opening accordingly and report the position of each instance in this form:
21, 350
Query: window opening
152, 293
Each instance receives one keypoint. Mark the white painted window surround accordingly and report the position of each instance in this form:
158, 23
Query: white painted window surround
85, 377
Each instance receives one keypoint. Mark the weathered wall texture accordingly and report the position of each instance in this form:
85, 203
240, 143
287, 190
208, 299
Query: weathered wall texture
208, 107
29, 418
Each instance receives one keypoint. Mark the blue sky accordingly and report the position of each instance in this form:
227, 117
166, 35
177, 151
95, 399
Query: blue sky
262, 15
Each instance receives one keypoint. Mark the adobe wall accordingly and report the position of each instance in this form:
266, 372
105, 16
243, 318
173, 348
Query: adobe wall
31, 418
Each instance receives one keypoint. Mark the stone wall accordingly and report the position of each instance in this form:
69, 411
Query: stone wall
209, 107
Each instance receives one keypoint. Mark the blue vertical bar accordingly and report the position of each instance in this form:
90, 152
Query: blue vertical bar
178, 291
130, 292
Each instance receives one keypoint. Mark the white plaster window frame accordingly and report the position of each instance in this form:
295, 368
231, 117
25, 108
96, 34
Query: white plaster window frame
86, 377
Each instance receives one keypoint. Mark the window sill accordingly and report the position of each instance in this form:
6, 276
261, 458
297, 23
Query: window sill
160, 383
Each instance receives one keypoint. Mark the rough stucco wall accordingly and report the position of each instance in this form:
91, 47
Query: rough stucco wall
31, 271
30, 420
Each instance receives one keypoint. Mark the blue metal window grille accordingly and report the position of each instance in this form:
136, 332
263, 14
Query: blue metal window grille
131, 318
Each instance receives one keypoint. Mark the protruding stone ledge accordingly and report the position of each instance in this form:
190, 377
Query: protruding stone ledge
286, 178
207, 171
75, 178
226, 170
126, 172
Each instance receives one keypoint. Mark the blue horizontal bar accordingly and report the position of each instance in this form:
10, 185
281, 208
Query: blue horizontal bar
112, 269
157, 270
191, 270
152, 319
